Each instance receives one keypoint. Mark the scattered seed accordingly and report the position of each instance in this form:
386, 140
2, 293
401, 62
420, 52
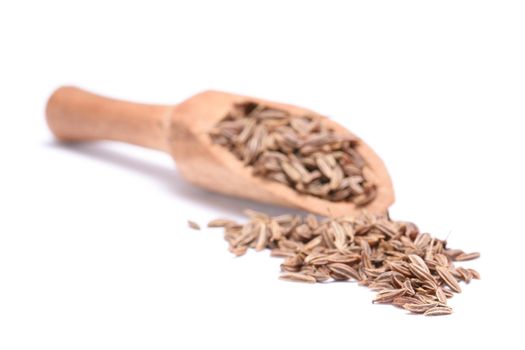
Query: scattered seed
220, 223
193, 225
297, 277
407, 268
465, 257
438, 311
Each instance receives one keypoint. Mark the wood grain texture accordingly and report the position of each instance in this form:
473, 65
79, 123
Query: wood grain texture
182, 130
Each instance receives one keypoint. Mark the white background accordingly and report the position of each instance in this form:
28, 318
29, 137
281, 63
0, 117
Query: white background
95, 252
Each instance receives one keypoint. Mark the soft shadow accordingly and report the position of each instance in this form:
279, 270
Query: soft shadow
170, 178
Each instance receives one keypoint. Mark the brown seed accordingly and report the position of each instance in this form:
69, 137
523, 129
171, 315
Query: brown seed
379, 286
193, 225
422, 240
317, 259
441, 260
440, 295
275, 229
262, 238
344, 270
419, 308
452, 253
272, 113
311, 221
291, 172
408, 287
448, 293
238, 251
465, 257
422, 274
450, 280
278, 253
343, 258
438, 311
297, 277
465, 274
415, 259
403, 300
339, 234
398, 280
475, 274
319, 276
387, 295
400, 267
220, 223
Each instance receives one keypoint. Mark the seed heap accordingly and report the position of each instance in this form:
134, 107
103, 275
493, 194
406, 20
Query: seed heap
407, 268
297, 151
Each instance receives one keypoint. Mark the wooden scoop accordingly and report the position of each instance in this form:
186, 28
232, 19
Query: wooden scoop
182, 130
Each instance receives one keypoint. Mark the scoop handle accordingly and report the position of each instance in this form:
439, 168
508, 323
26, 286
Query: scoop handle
74, 114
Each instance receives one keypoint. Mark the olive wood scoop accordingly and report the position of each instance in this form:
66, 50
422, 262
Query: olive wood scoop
183, 131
